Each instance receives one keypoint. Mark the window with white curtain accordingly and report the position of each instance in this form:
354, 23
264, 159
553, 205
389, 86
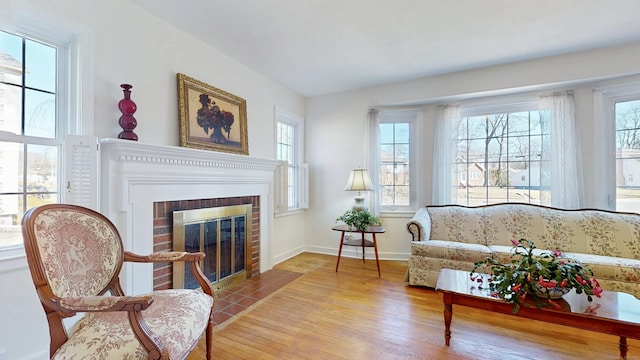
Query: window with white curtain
500, 157
520, 149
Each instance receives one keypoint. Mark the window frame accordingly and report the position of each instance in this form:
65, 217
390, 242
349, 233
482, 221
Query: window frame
498, 105
412, 116
297, 123
74, 94
604, 101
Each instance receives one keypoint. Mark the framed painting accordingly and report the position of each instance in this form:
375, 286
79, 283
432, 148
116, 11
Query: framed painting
210, 118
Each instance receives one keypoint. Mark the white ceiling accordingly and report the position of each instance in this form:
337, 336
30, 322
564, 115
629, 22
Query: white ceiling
317, 47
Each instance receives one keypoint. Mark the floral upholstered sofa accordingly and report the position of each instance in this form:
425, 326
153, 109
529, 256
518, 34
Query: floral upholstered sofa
455, 237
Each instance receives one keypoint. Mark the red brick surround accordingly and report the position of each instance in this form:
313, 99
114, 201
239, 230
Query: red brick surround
163, 232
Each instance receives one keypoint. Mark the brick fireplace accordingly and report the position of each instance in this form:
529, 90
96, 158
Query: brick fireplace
138, 180
163, 232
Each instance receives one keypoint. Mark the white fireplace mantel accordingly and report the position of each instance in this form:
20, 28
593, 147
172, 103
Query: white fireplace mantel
134, 175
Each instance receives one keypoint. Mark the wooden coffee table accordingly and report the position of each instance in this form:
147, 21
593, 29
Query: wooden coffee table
616, 314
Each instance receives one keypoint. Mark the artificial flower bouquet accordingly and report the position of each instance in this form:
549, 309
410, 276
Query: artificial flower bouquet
542, 277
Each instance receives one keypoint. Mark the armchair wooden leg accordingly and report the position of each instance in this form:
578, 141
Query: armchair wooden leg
209, 334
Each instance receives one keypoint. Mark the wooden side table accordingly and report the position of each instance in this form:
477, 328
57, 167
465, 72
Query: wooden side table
362, 242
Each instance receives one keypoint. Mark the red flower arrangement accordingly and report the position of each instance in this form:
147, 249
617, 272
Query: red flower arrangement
541, 277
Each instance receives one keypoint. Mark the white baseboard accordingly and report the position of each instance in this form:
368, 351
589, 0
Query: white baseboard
288, 255
354, 252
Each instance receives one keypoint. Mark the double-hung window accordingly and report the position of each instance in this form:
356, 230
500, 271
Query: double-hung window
43, 100
619, 109
30, 142
627, 158
394, 161
289, 151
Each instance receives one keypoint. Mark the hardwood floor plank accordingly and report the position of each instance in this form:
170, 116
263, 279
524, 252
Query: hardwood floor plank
353, 314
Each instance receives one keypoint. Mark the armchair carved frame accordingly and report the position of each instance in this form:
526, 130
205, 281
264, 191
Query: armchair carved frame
50, 232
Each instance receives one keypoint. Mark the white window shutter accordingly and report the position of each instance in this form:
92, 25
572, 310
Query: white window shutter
304, 186
81, 170
281, 187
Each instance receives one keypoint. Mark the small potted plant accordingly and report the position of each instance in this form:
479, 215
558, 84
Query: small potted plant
359, 220
543, 277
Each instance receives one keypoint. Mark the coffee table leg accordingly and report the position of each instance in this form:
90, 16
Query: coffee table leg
623, 347
448, 314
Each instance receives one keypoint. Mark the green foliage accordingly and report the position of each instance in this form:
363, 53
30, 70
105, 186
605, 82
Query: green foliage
529, 275
359, 219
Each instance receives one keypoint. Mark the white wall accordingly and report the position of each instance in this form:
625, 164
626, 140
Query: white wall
132, 46
335, 125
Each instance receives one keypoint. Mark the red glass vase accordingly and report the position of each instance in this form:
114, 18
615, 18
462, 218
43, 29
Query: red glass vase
127, 121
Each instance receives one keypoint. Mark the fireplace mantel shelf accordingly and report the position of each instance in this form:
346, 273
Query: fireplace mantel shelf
133, 151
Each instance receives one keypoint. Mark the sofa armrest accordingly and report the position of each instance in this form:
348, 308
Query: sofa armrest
420, 225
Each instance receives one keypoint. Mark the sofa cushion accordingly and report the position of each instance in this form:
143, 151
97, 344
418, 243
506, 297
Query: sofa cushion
179, 327
513, 222
609, 267
459, 224
442, 249
424, 271
610, 234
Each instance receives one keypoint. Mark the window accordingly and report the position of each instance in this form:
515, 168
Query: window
289, 149
619, 108
394, 164
395, 158
43, 100
503, 156
286, 152
627, 154
29, 134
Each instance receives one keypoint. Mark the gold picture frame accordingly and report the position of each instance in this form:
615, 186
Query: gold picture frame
210, 118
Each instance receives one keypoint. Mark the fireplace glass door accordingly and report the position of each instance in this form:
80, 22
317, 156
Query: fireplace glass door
221, 233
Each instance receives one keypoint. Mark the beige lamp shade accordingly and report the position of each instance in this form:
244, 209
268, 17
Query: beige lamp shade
359, 180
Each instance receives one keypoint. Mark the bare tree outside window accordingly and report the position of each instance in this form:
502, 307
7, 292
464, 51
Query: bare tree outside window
627, 117
507, 150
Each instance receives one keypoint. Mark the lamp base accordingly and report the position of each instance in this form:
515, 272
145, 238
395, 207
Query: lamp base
359, 204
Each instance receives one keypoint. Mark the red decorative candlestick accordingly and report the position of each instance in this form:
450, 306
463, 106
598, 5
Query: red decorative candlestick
127, 121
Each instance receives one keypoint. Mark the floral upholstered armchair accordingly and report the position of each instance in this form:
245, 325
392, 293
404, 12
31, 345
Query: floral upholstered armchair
75, 255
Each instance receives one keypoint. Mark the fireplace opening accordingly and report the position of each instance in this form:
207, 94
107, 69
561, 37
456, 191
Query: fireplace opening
223, 234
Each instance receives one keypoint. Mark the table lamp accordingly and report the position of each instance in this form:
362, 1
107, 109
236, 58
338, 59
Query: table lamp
359, 181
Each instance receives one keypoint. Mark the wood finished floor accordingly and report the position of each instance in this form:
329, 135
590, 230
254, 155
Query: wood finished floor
353, 314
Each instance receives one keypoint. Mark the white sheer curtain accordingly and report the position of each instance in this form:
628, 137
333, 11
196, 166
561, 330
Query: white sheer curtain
7, 18
565, 166
444, 153
373, 142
